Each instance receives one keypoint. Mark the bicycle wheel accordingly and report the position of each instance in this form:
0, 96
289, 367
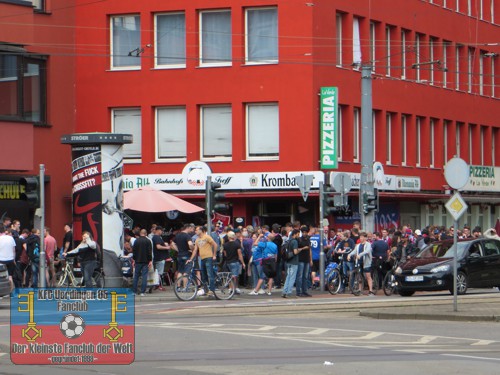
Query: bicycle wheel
185, 288
62, 279
224, 285
333, 281
356, 283
375, 282
389, 284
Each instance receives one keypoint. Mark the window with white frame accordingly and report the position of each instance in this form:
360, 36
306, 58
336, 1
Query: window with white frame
494, 135
338, 37
446, 46
388, 50
431, 58
356, 43
481, 73
483, 149
170, 37
403, 53
418, 144
215, 38
469, 7
125, 42
493, 80
128, 121
373, 44
356, 133
458, 49
417, 56
340, 112
261, 35
388, 137
492, 11
470, 58
216, 132
403, 138
481, 9
262, 131
458, 129
469, 145
432, 140
446, 124
171, 134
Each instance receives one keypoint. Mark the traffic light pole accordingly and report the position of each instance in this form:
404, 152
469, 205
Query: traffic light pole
43, 264
366, 183
321, 236
208, 207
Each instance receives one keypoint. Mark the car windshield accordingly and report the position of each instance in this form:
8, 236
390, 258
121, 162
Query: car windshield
443, 250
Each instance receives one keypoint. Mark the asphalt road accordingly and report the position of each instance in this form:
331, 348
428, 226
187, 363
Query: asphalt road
179, 338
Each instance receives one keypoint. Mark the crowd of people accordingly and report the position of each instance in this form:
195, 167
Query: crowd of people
20, 251
261, 259
277, 257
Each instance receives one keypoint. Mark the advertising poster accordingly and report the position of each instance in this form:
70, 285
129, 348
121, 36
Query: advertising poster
72, 326
86, 177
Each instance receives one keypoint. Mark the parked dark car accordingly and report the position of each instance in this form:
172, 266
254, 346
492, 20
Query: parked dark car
478, 266
4, 281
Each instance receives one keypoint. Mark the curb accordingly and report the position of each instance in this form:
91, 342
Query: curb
427, 316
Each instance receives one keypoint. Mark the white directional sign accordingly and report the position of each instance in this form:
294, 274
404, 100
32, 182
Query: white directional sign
304, 182
456, 206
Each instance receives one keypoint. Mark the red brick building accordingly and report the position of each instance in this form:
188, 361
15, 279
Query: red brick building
235, 85
37, 81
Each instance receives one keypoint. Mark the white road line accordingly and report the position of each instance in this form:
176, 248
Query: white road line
483, 342
426, 339
471, 357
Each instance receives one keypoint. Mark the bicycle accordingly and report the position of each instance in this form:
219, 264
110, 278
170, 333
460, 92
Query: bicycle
186, 287
389, 285
357, 279
67, 278
337, 279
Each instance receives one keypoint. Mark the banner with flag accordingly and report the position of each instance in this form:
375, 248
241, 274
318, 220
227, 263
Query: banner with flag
223, 220
70, 326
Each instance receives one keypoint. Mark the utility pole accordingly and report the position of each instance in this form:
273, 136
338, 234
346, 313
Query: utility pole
366, 188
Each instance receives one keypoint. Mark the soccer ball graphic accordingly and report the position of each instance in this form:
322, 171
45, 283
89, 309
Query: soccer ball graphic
72, 326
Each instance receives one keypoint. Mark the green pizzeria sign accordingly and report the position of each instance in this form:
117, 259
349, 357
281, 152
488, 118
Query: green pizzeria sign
328, 128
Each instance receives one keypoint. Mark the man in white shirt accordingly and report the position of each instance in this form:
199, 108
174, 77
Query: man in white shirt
8, 252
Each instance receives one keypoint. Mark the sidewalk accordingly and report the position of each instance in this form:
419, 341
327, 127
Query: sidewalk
471, 307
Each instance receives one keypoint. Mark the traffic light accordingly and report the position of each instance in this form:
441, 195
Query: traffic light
30, 190
370, 202
214, 198
327, 200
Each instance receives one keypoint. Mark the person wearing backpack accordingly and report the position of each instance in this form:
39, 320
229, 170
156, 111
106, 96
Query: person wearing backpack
33, 250
292, 264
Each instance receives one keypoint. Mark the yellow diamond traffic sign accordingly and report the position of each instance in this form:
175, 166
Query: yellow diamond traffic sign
456, 206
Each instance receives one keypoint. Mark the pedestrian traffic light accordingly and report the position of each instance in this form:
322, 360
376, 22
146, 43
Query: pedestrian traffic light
30, 190
370, 202
327, 201
214, 198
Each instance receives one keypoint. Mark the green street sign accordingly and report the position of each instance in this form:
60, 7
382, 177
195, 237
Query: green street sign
328, 128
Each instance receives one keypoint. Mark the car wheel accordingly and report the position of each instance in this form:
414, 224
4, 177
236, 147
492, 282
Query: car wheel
461, 283
406, 293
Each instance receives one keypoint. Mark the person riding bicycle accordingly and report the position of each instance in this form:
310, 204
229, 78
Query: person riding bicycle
206, 246
363, 252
